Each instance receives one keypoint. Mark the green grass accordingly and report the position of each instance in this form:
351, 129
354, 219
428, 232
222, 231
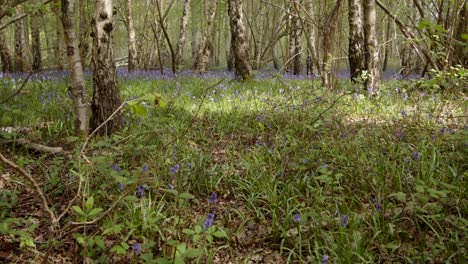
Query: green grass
395, 167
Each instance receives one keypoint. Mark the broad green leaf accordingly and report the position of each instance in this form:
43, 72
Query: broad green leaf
78, 210
193, 253
95, 211
219, 234
89, 203
188, 231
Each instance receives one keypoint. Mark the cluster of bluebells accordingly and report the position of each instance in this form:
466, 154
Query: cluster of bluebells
209, 221
174, 169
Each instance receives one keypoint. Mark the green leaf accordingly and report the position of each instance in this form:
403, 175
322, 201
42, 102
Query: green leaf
188, 231
139, 110
464, 36
209, 238
196, 238
162, 261
219, 234
95, 211
89, 203
125, 245
181, 248
100, 242
78, 210
118, 250
193, 253
198, 229
400, 196
185, 196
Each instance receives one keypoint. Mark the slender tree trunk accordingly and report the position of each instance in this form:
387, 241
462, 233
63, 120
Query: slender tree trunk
294, 63
387, 46
132, 52
19, 46
461, 49
328, 29
36, 41
356, 39
309, 31
5, 54
84, 32
182, 34
58, 46
77, 86
238, 42
203, 58
372, 52
106, 96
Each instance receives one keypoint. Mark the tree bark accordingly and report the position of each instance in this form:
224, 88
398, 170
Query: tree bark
356, 39
204, 54
36, 41
294, 62
5, 54
372, 51
19, 46
106, 96
328, 29
239, 47
58, 46
132, 52
182, 34
84, 32
77, 86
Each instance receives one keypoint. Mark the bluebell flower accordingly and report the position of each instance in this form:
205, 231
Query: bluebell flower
175, 169
343, 135
442, 131
344, 220
137, 248
297, 218
213, 197
325, 259
121, 186
405, 97
208, 221
116, 168
140, 190
407, 160
399, 134
188, 165
403, 113
145, 168
415, 155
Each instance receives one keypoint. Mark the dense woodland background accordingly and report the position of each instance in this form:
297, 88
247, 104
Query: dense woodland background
233, 131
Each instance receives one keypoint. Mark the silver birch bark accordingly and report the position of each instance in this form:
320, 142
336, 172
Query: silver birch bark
77, 86
356, 39
312, 56
239, 47
106, 96
132, 52
372, 51
182, 34
204, 54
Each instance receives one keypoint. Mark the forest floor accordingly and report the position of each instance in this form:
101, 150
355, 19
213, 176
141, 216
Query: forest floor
272, 170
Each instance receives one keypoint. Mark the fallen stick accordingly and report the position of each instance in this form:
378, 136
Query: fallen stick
34, 146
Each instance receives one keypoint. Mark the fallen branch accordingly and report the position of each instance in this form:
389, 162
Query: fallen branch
37, 147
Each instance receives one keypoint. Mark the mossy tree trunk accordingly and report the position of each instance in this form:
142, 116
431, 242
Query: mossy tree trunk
356, 39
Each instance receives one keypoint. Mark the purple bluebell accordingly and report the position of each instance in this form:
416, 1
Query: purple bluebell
213, 197
137, 248
344, 220
208, 221
403, 113
145, 168
405, 97
188, 165
121, 185
325, 259
175, 168
399, 134
116, 168
407, 160
415, 155
140, 190
297, 218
